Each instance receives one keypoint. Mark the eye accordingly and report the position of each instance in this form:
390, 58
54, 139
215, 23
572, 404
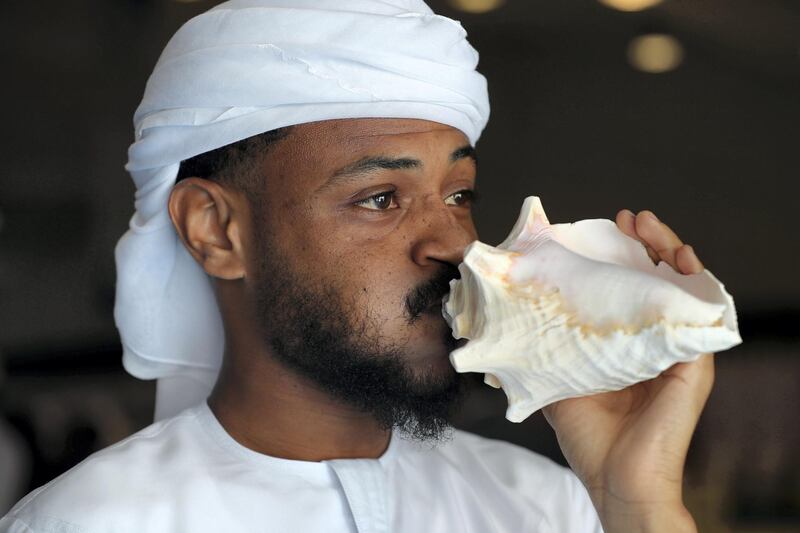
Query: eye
379, 202
460, 198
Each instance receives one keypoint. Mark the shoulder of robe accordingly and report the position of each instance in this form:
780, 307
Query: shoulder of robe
118, 481
510, 463
547, 485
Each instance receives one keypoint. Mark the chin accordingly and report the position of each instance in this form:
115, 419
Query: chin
432, 359
430, 344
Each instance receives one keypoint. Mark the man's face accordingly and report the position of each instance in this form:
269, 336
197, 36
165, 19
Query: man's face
357, 231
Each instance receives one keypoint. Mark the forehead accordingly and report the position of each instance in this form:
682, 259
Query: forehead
352, 135
375, 127
312, 151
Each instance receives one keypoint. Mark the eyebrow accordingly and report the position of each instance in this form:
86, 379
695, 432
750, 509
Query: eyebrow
369, 164
465, 151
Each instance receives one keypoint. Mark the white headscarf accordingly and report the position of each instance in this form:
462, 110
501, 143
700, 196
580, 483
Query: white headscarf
243, 68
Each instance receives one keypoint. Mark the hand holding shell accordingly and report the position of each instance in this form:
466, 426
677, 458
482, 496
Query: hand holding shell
568, 310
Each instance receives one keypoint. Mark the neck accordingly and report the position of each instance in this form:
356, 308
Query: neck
271, 410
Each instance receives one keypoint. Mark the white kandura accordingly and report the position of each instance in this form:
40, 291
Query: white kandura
567, 310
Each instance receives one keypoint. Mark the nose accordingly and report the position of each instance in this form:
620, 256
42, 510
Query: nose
442, 234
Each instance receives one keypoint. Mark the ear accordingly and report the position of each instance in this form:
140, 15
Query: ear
207, 218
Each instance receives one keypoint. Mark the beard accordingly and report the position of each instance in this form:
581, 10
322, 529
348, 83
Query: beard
314, 331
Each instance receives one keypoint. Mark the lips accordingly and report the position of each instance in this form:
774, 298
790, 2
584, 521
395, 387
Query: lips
426, 298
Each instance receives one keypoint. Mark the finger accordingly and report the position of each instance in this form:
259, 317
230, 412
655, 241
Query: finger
688, 262
626, 223
658, 236
698, 374
706, 376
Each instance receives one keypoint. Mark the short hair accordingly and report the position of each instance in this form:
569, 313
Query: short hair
237, 164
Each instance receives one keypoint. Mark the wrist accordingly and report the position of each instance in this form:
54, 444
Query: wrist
650, 518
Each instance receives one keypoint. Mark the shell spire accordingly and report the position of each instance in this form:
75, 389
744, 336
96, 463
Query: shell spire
567, 310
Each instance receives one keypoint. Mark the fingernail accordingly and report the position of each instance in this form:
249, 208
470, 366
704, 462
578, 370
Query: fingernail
653, 216
696, 259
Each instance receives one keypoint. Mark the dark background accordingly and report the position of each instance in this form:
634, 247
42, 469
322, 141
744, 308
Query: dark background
711, 147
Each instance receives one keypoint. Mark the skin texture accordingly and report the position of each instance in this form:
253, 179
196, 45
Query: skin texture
628, 447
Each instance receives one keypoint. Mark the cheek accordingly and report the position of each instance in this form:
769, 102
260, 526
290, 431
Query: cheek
373, 275
376, 281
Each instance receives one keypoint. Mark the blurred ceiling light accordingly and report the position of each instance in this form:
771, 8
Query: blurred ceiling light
655, 53
630, 5
476, 6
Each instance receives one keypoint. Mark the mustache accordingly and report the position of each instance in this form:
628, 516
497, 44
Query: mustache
430, 292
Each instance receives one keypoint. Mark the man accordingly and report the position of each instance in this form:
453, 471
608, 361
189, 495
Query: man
312, 163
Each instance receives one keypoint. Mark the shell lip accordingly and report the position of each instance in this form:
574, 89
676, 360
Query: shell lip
445, 300
459, 343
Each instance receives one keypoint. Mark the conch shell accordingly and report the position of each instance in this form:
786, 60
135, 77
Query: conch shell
567, 310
